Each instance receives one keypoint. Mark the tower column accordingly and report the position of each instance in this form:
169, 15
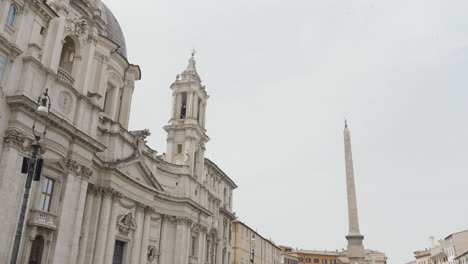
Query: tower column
190, 105
178, 106
355, 250
195, 107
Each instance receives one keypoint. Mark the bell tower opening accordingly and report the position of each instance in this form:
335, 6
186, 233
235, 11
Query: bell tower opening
183, 106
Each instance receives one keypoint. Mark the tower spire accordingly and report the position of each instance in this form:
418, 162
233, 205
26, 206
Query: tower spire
186, 133
355, 250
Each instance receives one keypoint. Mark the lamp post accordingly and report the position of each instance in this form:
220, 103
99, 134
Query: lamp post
32, 167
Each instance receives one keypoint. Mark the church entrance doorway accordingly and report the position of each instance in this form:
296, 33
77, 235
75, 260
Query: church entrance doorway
118, 252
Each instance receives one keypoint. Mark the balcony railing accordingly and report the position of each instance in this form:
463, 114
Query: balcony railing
65, 76
43, 219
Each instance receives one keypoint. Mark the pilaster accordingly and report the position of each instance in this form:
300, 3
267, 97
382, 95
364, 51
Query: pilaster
182, 241
109, 253
137, 235
86, 223
103, 227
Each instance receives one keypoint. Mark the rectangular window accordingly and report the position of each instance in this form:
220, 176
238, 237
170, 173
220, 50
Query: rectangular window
193, 247
316, 261
179, 148
3, 61
308, 260
46, 195
324, 261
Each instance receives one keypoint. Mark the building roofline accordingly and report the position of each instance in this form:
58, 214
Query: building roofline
269, 241
221, 172
456, 233
462, 255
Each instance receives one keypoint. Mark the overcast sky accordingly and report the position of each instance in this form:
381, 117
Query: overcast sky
282, 75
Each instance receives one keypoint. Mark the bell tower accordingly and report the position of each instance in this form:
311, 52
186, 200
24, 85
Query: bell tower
186, 133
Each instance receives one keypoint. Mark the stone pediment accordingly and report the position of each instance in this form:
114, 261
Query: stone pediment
139, 171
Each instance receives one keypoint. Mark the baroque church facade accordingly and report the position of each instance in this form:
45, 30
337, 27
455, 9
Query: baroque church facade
104, 196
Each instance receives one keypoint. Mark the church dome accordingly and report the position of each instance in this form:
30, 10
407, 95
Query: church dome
113, 30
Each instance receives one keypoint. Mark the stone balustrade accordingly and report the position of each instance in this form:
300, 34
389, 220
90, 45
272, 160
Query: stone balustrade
43, 219
65, 76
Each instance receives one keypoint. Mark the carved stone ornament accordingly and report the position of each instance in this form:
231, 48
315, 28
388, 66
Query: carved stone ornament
17, 139
78, 26
152, 253
78, 169
65, 102
125, 224
140, 141
198, 228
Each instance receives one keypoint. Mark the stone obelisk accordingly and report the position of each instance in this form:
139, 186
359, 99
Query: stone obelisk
355, 250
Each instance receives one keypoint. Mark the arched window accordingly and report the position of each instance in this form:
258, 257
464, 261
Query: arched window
36, 250
68, 55
12, 11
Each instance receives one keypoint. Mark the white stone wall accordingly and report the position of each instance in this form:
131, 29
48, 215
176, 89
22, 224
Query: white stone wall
108, 185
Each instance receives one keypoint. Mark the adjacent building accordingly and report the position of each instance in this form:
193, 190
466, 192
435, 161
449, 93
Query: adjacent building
105, 196
423, 256
316, 256
370, 257
462, 259
286, 256
445, 251
248, 246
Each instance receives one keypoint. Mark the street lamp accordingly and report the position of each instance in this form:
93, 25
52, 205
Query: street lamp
32, 167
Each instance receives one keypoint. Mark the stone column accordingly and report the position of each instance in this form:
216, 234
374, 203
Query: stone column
137, 234
190, 105
79, 218
163, 250
178, 106
126, 103
74, 193
174, 103
182, 239
86, 224
201, 247
109, 254
103, 227
201, 122
145, 237
86, 75
93, 225
195, 106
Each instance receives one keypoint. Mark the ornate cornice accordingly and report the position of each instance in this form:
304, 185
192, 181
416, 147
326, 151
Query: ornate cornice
180, 220
43, 9
110, 193
77, 169
140, 207
16, 139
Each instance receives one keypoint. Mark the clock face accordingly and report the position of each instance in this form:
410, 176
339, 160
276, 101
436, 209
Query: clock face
65, 102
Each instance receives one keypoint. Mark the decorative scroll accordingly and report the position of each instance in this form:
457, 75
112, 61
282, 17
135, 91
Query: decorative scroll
17, 139
78, 169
